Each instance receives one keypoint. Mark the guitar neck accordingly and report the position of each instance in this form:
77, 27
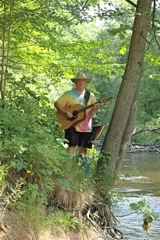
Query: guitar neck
87, 107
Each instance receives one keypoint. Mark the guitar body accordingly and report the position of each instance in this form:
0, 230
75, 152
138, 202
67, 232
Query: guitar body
66, 123
78, 112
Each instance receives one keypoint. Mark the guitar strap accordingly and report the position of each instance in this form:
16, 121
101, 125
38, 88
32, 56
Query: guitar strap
96, 130
86, 96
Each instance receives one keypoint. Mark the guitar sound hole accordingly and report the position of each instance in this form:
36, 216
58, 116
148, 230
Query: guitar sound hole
75, 113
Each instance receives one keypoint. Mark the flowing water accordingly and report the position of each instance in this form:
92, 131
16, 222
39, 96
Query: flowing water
139, 180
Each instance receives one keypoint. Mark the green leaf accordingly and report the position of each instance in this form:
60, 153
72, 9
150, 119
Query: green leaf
142, 203
134, 206
154, 216
148, 219
64, 183
123, 50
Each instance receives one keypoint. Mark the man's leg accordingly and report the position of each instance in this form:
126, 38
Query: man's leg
82, 147
71, 150
72, 136
82, 151
82, 155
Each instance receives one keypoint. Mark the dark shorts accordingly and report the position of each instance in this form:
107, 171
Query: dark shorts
80, 139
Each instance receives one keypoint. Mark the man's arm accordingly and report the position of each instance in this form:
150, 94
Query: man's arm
95, 107
62, 110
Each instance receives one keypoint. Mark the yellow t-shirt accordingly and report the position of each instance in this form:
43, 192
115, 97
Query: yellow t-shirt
71, 98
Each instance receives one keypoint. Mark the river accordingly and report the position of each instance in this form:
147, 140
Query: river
139, 180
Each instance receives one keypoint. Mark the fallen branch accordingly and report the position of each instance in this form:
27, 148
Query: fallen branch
156, 130
136, 147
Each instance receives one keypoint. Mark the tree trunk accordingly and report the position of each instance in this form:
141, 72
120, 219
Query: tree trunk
6, 38
122, 122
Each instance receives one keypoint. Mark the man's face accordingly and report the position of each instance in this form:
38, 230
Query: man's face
81, 83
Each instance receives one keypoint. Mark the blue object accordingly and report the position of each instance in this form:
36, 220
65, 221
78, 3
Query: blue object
84, 162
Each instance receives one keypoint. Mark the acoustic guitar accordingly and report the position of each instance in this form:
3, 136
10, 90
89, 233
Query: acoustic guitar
78, 112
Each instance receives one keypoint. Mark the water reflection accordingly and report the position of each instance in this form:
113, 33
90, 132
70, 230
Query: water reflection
139, 180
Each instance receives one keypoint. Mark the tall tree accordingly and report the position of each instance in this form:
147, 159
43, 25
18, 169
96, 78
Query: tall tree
122, 122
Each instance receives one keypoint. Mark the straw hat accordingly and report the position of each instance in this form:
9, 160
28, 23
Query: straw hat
81, 76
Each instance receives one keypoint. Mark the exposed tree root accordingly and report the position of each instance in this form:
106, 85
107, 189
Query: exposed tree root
95, 224
97, 213
100, 216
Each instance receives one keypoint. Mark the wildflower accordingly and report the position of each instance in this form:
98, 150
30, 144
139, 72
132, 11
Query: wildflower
146, 225
28, 171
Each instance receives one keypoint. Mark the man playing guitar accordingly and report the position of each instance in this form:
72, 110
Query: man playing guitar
79, 131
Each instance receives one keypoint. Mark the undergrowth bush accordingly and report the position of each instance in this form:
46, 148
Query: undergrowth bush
42, 172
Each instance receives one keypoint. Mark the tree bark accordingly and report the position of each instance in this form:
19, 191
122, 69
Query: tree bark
6, 38
122, 122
